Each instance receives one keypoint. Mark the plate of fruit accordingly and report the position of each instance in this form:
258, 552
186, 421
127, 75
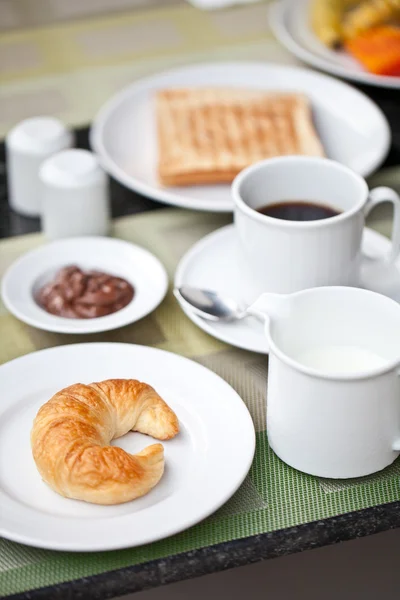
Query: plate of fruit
355, 39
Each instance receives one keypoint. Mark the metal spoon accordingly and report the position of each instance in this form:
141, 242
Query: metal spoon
212, 306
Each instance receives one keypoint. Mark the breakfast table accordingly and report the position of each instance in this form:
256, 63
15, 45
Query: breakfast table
277, 511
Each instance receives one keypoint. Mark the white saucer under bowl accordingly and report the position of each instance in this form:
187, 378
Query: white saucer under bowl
212, 263
135, 264
204, 464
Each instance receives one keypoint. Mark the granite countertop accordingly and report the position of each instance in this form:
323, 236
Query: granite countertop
237, 552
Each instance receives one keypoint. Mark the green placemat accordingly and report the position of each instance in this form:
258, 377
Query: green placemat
273, 495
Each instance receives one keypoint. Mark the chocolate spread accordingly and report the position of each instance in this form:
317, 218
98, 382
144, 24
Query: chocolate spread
78, 294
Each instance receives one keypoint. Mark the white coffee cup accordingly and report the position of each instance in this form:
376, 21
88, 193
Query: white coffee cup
287, 256
333, 406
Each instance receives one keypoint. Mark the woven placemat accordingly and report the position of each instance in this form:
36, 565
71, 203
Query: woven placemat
273, 495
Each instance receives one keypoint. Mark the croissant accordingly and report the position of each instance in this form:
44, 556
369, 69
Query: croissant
71, 438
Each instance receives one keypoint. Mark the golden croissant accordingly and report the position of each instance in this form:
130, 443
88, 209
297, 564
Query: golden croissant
71, 438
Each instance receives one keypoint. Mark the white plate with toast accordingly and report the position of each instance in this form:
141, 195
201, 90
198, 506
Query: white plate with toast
213, 133
291, 23
204, 464
212, 264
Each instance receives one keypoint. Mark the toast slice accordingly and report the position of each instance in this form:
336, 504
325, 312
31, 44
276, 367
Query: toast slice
208, 135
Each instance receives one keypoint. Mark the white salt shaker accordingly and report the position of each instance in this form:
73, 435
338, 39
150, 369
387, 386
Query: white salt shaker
28, 144
75, 195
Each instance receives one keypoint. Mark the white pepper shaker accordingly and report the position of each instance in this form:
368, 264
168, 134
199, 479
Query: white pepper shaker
28, 144
75, 195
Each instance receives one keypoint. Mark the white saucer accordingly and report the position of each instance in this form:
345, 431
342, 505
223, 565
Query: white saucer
212, 264
352, 128
135, 264
290, 21
205, 463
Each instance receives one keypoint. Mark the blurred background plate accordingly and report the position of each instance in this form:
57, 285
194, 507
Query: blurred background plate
290, 21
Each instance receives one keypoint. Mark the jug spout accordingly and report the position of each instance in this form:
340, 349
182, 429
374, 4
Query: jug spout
270, 306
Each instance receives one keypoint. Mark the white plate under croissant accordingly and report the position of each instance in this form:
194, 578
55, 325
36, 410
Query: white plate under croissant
204, 463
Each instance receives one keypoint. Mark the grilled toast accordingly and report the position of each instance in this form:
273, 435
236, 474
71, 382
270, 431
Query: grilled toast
208, 135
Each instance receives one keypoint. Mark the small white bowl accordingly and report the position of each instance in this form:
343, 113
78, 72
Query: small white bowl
135, 264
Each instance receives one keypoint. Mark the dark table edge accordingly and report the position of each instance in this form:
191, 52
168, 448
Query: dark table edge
213, 559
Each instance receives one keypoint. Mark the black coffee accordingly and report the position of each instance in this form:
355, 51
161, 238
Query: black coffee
298, 210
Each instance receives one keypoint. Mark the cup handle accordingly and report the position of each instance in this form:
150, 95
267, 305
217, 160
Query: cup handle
386, 194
